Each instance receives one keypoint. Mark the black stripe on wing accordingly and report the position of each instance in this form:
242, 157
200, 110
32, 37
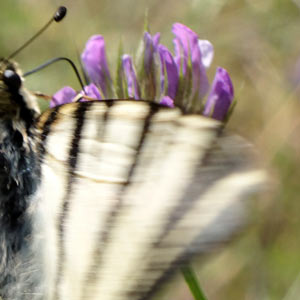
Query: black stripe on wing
79, 117
103, 235
51, 118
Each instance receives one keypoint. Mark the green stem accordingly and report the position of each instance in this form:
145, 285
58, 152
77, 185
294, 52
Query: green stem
192, 281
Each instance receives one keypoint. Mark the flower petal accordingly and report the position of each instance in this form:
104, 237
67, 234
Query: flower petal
187, 49
63, 96
132, 84
95, 63
178, 58
207, 52
167, 101
199, 78
185, 41
220, 97
170, 69
92, 91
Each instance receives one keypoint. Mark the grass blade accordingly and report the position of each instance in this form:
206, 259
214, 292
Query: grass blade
192, 281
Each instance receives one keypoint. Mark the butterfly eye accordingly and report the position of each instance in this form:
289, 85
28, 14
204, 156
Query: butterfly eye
12, 79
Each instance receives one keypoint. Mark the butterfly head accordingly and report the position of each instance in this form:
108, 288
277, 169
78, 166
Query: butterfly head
14, 98
10, 75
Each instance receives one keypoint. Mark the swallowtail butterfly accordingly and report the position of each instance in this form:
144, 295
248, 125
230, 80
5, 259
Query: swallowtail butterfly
104, 200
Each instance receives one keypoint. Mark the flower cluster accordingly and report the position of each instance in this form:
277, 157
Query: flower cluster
156, 74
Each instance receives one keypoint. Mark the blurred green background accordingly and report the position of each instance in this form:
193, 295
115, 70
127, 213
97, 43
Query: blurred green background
256, 41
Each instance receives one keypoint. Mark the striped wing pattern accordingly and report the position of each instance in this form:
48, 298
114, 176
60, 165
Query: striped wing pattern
130, 190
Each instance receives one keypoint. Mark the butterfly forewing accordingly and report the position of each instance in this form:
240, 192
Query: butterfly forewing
130, 191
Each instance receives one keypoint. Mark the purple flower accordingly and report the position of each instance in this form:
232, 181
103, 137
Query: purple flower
178, 80
132, 84
187, 50
95, 63
169, 68
63, 96
167, 101
220, 96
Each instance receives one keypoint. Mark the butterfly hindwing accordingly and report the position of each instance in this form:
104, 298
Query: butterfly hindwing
130, 191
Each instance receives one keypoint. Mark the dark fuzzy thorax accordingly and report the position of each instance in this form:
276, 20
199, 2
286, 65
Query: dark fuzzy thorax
19, 179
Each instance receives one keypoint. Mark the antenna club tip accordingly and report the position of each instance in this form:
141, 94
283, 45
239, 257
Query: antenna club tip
60, 14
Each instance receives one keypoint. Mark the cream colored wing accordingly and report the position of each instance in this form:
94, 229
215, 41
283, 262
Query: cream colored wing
130, 190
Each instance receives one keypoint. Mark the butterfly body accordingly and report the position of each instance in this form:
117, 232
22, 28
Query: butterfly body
19, 181
116, 194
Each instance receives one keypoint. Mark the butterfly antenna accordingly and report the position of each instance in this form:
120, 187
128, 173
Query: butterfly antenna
57, 17
53, 60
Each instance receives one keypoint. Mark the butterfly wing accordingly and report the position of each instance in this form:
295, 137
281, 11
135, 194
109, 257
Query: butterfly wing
130, 191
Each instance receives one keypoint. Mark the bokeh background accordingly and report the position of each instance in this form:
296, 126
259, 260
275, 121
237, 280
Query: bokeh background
257, 41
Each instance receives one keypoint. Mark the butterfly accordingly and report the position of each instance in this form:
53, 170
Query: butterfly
106, 199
